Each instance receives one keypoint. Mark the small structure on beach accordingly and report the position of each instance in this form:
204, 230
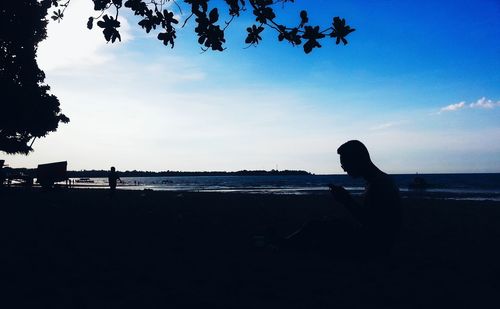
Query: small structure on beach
50, 173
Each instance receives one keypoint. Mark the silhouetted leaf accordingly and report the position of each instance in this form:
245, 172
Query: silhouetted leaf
147, 24
312, 34
254, 34
303, 18
138, 6
168, 19
291, 36
110, 24
167, 37
210, 35
213, 16
197, 4
100, 5
234, 6
90, 23
264, 14
57, 15
340, 30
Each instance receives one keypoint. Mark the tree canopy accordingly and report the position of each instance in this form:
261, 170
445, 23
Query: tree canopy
29, 111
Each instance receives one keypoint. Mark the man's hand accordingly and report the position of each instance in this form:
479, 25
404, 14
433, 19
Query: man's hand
340, 195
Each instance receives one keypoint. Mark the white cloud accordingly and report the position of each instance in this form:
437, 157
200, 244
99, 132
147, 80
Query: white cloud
387, 125
484, 103
481, 103
453, 107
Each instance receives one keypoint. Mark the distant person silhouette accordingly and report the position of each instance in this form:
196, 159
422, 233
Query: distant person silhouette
112, 178
377, 219
2, 173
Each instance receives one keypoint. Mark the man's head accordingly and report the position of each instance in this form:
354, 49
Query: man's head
354, 158
112, 168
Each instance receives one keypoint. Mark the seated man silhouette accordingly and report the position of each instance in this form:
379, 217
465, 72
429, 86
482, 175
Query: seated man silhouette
376, 221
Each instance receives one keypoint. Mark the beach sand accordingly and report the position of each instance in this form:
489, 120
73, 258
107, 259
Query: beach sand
81, 248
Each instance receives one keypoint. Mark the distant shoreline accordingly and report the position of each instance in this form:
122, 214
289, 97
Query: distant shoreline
104, 173
135, 173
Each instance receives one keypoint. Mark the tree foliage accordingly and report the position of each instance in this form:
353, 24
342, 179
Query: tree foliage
27, 109
164, 15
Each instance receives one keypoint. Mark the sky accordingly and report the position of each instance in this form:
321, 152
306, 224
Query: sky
418, 83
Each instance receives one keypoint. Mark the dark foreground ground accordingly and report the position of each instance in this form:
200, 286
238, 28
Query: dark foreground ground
83, 249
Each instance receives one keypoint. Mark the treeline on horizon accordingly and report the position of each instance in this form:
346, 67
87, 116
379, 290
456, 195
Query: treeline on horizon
135, 173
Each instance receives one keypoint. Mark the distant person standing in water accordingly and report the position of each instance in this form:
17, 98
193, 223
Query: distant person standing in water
112, 178
2, 174
377, 218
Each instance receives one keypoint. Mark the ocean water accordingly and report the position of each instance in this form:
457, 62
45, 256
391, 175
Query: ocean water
446, 186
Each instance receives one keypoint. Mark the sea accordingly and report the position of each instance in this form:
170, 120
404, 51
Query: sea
441, 186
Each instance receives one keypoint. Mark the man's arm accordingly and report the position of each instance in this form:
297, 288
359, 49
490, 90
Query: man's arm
343, 197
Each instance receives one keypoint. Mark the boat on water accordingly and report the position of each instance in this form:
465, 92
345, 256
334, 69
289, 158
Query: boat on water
84, 180
419, 183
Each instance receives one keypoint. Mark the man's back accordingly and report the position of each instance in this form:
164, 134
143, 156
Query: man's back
382, 219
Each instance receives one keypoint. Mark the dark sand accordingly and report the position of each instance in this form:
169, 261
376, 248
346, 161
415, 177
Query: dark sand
83, 249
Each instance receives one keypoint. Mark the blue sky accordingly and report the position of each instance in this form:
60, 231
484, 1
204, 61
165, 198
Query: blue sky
419, 83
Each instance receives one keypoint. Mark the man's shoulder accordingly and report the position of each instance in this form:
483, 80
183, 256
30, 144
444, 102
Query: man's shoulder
383, 182
381, 178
